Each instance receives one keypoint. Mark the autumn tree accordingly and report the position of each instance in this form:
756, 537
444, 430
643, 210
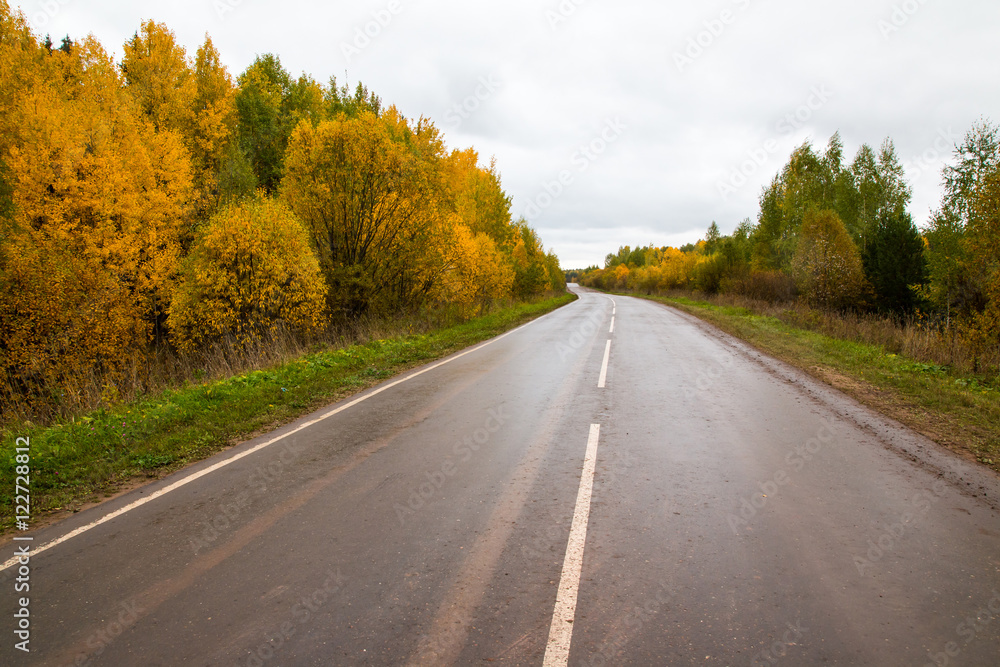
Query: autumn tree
843, 194
194, 100
827, 265
530, 272
476, 271
975, 160
557, 277
896, 193
99, 200
800, 186
305, 101
367, 198
250, 272
212, 145
159, 77
871, 185
774, 235
712, 238
868, 188
129, 219
6, 194
477, 197
946, 260
954, 283
90, 172
882, 190
737, 250
983, 243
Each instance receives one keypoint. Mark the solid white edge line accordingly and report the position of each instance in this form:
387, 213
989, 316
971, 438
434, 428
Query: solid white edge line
604, 367
222, 464
561, 630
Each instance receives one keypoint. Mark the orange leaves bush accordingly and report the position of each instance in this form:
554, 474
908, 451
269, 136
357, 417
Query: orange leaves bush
475, 271
250, 272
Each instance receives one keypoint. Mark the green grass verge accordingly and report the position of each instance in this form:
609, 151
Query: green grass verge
961, 413
88, 458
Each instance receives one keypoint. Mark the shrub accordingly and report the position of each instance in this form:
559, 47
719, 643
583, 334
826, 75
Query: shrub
827, 264
250, 272
771, 286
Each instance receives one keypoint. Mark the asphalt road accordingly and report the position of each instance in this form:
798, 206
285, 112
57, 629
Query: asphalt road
730, 511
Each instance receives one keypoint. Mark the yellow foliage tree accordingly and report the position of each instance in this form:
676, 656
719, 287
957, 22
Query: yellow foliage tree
91, 173
531, 273
368, 198
677, 269
98, 200
159, 77
250, 271
475, 271
621, 276
477, 197
214, 123
827, 264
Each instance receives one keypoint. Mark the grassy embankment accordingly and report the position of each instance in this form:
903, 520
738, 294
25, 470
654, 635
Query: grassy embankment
957, 409
87, 458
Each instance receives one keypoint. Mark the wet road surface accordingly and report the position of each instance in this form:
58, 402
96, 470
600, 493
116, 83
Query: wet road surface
614, 483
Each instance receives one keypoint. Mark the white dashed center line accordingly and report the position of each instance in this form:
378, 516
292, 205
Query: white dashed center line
561, 630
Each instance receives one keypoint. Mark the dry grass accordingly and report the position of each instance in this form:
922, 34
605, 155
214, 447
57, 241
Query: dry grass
57, 399
917, 338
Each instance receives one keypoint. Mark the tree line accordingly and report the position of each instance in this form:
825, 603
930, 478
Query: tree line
837, 235
160, 204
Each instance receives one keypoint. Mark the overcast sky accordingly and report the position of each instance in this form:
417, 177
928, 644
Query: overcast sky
619, 123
